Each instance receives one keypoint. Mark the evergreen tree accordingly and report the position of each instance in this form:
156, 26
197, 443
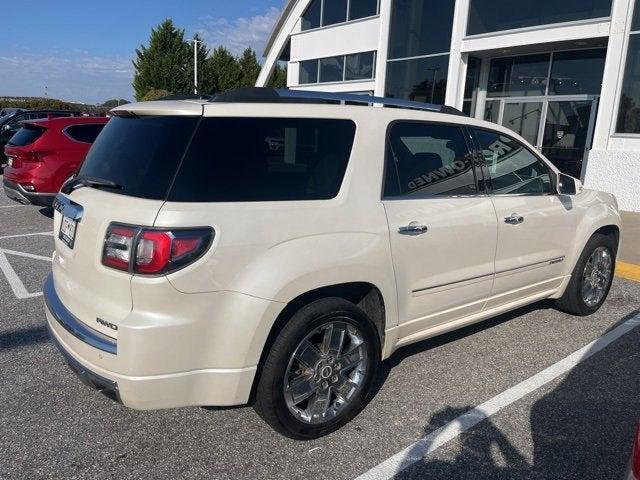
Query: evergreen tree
164, 63
249, 68
278, 77
222, 72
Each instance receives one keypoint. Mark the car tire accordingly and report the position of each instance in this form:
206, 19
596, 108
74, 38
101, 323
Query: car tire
575, 299
293, 369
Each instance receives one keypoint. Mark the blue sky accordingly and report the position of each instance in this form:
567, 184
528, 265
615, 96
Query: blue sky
82, 50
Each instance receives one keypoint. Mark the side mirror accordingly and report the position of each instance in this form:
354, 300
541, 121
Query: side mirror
568, 185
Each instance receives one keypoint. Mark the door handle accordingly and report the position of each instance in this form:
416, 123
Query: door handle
414, 228
514, 219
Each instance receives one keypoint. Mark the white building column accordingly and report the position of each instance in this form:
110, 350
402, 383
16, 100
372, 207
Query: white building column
383, 48
457, 60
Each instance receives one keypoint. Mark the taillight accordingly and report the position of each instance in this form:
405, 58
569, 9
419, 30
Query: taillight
157, 251
635, 459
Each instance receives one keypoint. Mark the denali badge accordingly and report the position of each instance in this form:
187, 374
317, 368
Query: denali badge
107, 324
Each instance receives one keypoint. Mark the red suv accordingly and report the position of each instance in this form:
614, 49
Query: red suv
43, 154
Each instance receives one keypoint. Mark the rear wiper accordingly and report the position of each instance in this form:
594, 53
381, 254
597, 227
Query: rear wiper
86, 181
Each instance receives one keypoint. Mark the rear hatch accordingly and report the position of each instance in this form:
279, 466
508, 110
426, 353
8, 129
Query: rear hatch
131, 166
19, 151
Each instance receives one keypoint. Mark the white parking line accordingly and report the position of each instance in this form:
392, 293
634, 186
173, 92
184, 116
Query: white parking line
14, 206
19, 290
430, 443
27, 235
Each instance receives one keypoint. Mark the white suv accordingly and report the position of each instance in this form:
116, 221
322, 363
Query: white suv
273, 247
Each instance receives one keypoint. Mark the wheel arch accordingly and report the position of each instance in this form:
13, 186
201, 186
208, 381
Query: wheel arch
364, 295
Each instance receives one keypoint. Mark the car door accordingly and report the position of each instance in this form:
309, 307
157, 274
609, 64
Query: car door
442, 230
535, 225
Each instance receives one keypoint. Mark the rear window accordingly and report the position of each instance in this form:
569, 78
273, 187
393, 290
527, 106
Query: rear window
141, 154
84, 133
264, 159
26, 135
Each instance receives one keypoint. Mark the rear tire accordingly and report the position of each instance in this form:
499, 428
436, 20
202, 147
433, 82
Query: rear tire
591, 278
319, 372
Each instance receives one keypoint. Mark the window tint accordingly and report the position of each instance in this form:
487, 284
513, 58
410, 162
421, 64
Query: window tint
518, 76
428, 159
359, 66
495, 15
512, 168
84, 133
140, 154
629, 109
308, 71
332, 69
334, 11
577, 72
420, 27
362, 8
421, 79
26, 135
311, 17
264, 159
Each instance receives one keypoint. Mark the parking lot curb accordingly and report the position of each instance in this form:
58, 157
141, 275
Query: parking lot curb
629, 271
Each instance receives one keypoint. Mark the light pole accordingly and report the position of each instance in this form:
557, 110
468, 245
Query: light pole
195, 64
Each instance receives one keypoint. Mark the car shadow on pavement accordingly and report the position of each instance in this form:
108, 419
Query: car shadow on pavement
582, 428
46, 211
23, 337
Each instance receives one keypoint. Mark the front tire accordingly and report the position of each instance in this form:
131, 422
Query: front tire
591, 278
319, 372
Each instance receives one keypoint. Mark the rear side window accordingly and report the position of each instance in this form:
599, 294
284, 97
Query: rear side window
264, 159
84, 133
428, 159
26, 135
141, 154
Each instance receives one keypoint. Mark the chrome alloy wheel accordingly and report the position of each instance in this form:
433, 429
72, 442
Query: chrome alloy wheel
325, 372
597, 276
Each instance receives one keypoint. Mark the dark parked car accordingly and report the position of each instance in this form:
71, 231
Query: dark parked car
10, 124
44, 154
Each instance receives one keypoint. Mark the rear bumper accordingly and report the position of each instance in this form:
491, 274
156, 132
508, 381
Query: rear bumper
15, 192
86, 350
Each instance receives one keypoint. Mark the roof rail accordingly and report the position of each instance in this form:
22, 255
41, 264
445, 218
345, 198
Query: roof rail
272, 95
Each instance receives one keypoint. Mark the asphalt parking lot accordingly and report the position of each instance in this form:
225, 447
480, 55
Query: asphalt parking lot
578, 424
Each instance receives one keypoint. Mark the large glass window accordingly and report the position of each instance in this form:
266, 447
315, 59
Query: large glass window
420, 27
264, 159
334, 11
577, 72
512, 168
471, 85
420, 79
321, 13
629, 108
518, 76
357, 66
496, 15
311, 17
428, 159
523, 118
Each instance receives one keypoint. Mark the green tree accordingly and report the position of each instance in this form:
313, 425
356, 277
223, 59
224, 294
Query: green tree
164, 63
154, 94
114, 102
249, 68
278, 77
222, 72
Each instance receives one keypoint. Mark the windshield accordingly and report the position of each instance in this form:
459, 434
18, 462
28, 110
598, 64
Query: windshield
139, 154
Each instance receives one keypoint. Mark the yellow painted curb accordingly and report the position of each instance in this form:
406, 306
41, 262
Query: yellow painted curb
629, 271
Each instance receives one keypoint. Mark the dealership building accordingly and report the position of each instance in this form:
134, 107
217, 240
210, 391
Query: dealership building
563, 74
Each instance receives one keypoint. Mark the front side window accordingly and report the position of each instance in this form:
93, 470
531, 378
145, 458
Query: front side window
497, 15
428, 159
264, 159
512, 168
